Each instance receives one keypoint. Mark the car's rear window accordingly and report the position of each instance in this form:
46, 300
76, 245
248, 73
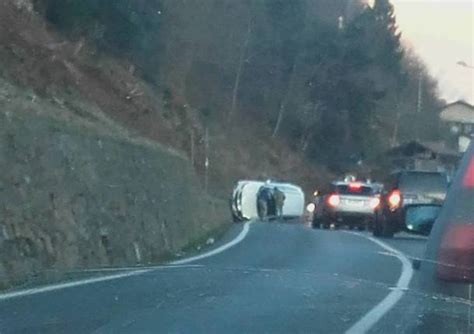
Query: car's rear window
423, 182
346, 190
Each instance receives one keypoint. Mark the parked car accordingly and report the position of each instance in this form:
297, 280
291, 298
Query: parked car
446, 272
404, 189
351, 203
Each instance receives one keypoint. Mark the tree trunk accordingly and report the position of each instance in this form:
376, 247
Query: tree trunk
314, 118
394, 139
280, 116
285, 101
306, 141
243, 52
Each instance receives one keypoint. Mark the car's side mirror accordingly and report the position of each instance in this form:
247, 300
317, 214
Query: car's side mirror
421, 217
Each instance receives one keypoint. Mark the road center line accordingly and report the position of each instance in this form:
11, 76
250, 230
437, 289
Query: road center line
175, 264
374, 315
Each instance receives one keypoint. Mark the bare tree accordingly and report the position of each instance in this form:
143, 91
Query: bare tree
243, 52
286, 99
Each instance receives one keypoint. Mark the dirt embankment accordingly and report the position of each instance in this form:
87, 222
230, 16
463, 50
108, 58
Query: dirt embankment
75, 196
84, 182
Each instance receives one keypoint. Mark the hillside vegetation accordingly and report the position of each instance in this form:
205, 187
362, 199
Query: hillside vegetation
285, 89
110, 112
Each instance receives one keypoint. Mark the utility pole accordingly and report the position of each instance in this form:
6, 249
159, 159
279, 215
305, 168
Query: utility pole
419, 106
420, 96
394, 140
243, 52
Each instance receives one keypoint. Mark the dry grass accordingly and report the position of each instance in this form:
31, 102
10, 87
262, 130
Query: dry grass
72, 81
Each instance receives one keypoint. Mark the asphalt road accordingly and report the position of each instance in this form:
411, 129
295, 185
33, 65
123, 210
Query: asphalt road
280, 278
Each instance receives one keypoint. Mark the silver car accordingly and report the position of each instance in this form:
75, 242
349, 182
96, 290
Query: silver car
349, 203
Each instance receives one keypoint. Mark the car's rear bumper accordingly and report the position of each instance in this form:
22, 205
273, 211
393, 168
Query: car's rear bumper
348, 217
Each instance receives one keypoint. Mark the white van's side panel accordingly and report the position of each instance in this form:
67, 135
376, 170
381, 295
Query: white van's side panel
294, 201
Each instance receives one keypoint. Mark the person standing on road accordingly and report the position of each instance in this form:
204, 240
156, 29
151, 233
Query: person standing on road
264, 197
279, 197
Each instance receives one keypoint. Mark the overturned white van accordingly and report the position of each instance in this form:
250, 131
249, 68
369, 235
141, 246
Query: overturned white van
244, 202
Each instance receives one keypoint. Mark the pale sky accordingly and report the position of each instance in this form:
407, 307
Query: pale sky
441, 32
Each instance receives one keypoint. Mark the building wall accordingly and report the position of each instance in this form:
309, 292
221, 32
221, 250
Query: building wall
460, 119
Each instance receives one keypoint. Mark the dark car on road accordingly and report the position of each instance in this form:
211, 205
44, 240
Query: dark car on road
403, 190
351, 203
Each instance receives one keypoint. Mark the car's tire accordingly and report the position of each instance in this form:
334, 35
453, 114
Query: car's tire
383, 228
387, 230
377, 229
351, 227
326, 225
370, 226
361, 227
316, 224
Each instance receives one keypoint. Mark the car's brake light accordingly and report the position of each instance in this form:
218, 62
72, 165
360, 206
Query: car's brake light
456, 254
394, 199
355, 186
374, 202
468, 180
334, 200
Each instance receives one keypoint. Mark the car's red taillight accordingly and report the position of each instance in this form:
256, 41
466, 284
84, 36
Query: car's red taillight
375, 202
355, 186
456, 254
394, 199
334, 200
468, 180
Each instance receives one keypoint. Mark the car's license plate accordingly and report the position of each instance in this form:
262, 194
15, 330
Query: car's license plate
355, 203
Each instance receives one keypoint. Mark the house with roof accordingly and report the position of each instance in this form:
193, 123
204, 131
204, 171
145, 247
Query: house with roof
459, 116
427, 156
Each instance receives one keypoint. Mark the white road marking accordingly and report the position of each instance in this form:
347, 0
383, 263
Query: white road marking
54, 287
135, 268
217, 250
375, 314
175, 264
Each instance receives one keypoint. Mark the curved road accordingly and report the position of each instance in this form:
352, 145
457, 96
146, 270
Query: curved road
281, 278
